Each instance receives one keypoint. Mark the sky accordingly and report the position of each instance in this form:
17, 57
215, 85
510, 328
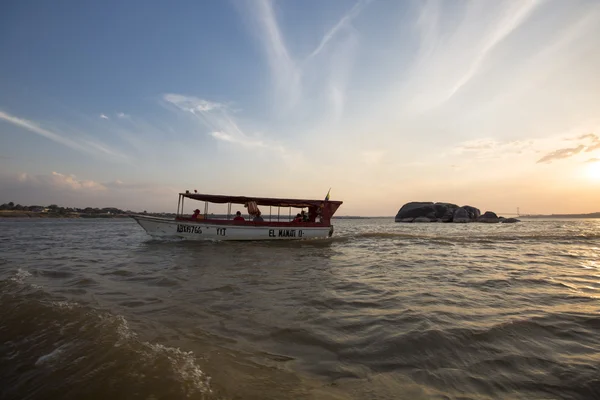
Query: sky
494, 104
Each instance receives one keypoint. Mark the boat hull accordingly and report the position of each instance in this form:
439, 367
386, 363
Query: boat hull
200, 230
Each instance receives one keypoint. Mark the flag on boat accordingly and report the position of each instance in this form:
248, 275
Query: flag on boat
327, 197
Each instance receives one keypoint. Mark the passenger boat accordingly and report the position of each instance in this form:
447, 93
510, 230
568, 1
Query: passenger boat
275, 226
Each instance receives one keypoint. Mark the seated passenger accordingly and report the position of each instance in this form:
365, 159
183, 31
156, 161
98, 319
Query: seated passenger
238, 217
304, 216
298, 218
258, 218
196, 214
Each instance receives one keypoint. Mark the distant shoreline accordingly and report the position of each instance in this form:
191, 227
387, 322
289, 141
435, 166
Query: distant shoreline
589, 215
51, 215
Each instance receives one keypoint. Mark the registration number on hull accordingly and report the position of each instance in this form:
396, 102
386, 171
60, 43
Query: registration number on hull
189, 229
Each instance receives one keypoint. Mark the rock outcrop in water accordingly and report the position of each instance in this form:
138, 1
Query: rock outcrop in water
427, 211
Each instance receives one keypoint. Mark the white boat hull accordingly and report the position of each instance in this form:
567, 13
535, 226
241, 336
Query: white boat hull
200, 230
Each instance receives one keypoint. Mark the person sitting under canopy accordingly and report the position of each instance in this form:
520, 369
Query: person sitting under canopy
196, 214
258, 218
238, 217
304, 216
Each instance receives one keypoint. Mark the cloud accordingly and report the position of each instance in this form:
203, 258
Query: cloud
33, 127
82, 145
593, 160
595, 142
71, 191
343, 22
587, 136
122, 115
244, 141
452, 52
61, 181
190, 103
490, 147
103, 116
594, 146
512, 20
286, 74
560, 154
221, 125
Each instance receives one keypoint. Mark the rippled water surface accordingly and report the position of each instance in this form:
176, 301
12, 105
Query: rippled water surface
96, 309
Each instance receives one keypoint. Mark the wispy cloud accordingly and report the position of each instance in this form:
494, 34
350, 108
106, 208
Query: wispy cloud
58, 180
561, 153
71, 190
81, 145
35, 128
122, 115
593, 146
491, 148
245, 141
595, 142
299, 82
513, 18
451, 55
343, 22
219, 122
191, 103
285, 72
103, 116
593, 160
586, 136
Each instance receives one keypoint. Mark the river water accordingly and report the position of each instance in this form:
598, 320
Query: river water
96, 309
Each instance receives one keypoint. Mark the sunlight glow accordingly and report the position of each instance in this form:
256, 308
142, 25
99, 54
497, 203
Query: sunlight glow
593, 171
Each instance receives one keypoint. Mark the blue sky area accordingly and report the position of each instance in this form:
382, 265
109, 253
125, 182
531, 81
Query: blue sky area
490, 103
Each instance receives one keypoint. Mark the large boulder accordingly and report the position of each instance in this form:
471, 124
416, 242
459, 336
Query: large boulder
474, 213
461, 215
427, 211
442, 212
489, 217
445, 211
416, 209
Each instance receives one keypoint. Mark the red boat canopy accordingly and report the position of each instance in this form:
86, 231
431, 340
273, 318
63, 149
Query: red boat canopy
261, 201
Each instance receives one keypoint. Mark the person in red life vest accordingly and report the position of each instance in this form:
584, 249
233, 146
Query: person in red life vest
196, 214
238, 217
298, 218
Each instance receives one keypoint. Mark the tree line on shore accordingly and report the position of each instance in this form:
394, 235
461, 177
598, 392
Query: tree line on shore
55, 209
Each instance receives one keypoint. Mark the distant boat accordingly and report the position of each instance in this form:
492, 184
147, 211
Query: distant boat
316, 224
